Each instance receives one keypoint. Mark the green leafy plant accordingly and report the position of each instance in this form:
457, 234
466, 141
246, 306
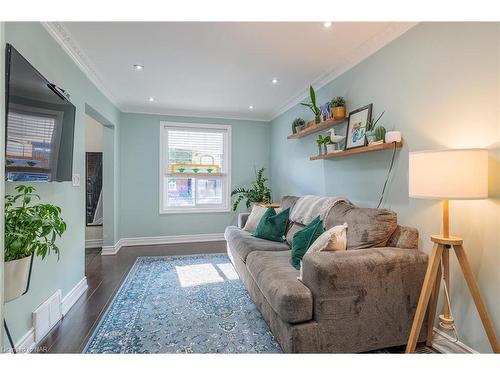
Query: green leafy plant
312, 105
296, 123
30, 228
338, 101
322, 140
257, 192
371, 125
377, 130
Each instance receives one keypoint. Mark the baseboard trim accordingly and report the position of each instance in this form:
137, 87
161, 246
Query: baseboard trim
160, 240
446, 344
27, 343
93, 243
73, 295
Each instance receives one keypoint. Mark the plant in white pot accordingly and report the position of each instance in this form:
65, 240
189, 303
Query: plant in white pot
30, 229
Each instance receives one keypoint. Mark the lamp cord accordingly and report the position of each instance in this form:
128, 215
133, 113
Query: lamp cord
388, 175
447, 296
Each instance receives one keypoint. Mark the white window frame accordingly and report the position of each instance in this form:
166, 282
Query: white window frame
163, 165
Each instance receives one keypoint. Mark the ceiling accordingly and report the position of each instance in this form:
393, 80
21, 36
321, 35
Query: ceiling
217, 69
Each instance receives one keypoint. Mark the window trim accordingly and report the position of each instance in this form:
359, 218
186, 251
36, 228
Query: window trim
227, 175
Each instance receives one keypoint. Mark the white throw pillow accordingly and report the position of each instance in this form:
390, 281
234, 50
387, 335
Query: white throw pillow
334, 239
255, 216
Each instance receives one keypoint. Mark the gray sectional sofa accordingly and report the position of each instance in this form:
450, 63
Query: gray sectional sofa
349, 301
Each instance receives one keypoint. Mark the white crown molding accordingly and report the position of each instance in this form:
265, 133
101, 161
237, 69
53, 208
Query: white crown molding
64, 38
192, 114
366, 49
160, 240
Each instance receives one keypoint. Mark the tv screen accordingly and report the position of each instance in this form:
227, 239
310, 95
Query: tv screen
40, 125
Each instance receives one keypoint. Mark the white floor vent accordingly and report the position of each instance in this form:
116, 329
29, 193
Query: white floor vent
47, 315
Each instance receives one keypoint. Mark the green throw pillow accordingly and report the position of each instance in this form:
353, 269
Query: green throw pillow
272, 226
304, 238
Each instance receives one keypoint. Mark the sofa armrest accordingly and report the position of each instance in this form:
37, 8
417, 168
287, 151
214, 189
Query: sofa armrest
404, 237
242, 219
348, 282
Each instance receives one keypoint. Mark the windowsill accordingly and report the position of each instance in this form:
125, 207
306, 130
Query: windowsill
195, 211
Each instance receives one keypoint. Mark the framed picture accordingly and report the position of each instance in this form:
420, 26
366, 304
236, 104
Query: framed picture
356, 127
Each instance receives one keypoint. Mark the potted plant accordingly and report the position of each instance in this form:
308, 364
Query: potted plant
312, 106
321, 141
329, 145
375, 134
337, 106
30, 229
298, 125
257, 193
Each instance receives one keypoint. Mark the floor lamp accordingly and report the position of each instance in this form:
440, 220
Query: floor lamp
447, 174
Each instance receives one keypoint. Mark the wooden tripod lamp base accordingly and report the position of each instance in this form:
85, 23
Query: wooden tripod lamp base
430, 292
438, 174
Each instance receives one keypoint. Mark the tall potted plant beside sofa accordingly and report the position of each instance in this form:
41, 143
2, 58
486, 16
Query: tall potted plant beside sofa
30, 229
258, 192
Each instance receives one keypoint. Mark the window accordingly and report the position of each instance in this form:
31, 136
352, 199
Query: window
31, 141
194, 168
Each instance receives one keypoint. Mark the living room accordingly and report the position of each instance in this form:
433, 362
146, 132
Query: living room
266, 187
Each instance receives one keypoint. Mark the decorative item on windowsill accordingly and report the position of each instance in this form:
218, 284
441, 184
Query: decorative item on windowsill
313, 107
258, 192
30, 229
375, 134
325, 111
337, 106
335, 141
298, 125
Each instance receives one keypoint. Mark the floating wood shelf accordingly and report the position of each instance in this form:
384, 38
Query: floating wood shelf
317, 128
359, 150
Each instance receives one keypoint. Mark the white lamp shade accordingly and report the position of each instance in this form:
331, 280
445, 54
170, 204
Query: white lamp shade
449, 174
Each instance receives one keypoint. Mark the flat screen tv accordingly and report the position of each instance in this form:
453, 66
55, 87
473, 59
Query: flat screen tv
40, 124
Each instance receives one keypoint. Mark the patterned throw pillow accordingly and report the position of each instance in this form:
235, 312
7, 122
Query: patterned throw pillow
304, 238
272, 226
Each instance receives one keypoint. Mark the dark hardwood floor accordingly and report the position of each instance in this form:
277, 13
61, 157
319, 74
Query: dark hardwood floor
104, 276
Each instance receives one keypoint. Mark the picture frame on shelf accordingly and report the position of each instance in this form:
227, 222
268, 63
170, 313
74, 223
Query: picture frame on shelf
356, 127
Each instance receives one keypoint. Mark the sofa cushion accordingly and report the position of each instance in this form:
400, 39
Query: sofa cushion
277, 280
294, 228
272, 226
367, 227
304, 238
243, 243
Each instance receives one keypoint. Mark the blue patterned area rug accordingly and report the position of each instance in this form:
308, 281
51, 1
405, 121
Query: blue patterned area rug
184, 304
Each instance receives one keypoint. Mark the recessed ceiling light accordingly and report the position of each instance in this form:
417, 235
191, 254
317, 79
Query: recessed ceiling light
151, 99
327, 24
250, 106
138, 67
274, 81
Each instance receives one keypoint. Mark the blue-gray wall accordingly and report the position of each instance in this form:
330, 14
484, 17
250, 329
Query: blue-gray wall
438, 84
49, 275
139, 175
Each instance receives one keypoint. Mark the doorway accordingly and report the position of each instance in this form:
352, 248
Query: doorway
93, 188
